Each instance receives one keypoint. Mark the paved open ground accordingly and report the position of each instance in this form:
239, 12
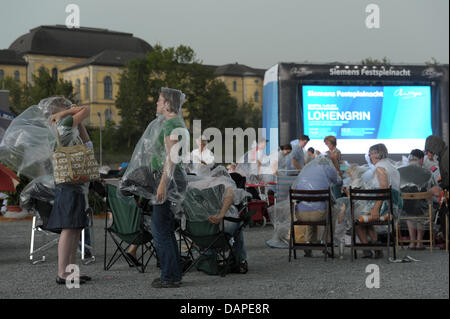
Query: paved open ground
270, 274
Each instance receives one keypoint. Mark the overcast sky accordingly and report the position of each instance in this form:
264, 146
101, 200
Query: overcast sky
258, 33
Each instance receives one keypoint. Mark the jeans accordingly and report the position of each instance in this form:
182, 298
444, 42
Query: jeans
230, 228
163, 225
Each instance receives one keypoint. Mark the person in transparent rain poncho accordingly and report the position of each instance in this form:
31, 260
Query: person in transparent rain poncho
156, 174
341, 207
415, 178
381, 174
319, 174
219, 199
28, 145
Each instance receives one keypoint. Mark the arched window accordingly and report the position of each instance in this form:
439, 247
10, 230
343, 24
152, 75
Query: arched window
17, 76
234, 86
2, 74
107, 82
108, 115
86, 88
55, 74
256, 96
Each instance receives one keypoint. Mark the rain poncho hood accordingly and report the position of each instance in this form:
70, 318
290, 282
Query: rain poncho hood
151, 160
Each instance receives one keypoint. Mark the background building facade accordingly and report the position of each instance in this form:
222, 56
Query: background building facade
92, 60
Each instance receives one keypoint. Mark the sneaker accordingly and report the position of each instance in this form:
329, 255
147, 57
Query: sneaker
158, 283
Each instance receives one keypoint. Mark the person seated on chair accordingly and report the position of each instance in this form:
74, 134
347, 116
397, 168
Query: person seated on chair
298, 154
232, 196
317, 175
201, 157
342, 207
415, 178
381, 175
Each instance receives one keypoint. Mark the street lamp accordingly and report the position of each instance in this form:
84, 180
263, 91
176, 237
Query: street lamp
100, 118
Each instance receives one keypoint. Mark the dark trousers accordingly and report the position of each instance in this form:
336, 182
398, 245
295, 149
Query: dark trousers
163, 225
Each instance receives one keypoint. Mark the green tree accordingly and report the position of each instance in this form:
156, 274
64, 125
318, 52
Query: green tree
15, 93
370, 61
44, 85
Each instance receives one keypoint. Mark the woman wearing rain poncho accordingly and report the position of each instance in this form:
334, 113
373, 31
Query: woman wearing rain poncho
156, 174
27, 146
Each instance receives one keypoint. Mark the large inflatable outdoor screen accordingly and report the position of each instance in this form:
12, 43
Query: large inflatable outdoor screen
361, 105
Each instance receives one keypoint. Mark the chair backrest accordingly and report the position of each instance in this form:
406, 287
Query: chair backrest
283, 184
371, 195
417, 196
239, 180
44, 209
126, 215
415, 202
321, 195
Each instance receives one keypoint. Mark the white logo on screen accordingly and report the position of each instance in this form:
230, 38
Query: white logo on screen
407, 94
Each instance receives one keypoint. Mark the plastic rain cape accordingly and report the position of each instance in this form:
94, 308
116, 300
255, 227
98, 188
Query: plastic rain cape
280, 214
30, 139
308, 177
206, 193
414, 178
151, 160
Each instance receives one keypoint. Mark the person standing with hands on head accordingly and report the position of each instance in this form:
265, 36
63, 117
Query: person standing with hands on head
69, 208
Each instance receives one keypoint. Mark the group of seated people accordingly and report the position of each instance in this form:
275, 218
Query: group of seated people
322, 171
319, 171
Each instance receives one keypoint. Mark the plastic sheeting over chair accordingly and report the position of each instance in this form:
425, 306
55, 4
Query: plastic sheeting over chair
41, 188
206, 194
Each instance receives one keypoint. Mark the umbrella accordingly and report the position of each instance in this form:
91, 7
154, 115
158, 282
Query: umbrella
8, 179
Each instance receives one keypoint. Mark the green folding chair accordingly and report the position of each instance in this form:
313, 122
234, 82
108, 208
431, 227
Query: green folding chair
127, 229
215, 251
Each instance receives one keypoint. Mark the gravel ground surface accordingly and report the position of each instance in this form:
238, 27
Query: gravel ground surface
270, 274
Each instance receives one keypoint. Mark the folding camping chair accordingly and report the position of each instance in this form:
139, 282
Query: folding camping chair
127, 229
311, 196
373, 195
416, 196
42, 211
207, 238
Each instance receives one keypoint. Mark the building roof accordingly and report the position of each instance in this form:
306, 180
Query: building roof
58, 40
11, 57
238, 70
108, 58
